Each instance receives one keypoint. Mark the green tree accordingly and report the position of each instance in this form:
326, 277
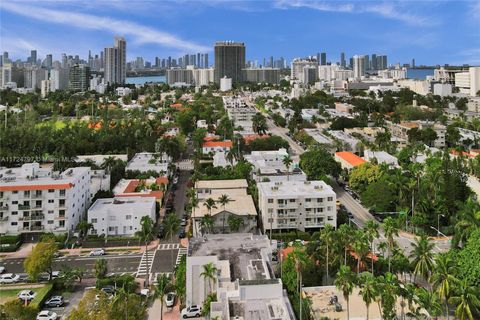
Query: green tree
16, 310
466, 300
100, 268
443, 278
83, 226
368, 290
145, 235
40, 259
172, 226
234, 222
287, 161
318, 164
371, 232
388, 288
224, 200
206, 224
345, 282
422, 257
259, 123
209, 274
390, 228
180, 284
363, 175
162, 286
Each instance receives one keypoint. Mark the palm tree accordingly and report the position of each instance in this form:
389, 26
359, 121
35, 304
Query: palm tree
344, 234
468, 220
443, 278
390, 228
388, 289
467, 301
429, 301
368, 289
345, 282
146, 234
224, 200
287, 161
109, 163
259, 123
371, 232
326, 235
360, 247
100, 268
234, 222
209, 273
422, 257
192, 194
161, 288
172, 226
206, 223
83, 226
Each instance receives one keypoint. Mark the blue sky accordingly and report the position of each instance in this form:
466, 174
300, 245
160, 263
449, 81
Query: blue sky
432, 32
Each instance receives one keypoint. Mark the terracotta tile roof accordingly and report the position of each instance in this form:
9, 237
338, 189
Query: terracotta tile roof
36, 187
154, 194
132, 185
250, 137
223, 144
161, 180
350, 157
465, 154
410, 125
176, 105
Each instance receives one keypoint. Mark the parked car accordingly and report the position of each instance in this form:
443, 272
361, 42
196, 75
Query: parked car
26, 295
108, 289
192, 311
2, 269
9, 278
181, 234
47, 315
54, 302
183, 223
170, 299
145, 293
97, 252
350, 216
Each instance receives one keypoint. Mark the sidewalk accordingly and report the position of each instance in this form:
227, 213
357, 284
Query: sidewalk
168, 313
26, 248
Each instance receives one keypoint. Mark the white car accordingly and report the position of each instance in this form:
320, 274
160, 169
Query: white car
9, 278
97, 252
2, 269
170, 299
26, 295
192, 311
47, 315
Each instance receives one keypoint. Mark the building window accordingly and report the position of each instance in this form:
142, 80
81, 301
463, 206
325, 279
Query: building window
51, 201
270, 200
14, 213
62, 193
270, 210
51, 190
61, 213
50, 211
292, 200
308, 200
26, 194
292, 220
330, 218
15, 202
111, 229
94, 220
14, 191
50, 221
128, 217
320, 200
61, 224
13, 223
330, 198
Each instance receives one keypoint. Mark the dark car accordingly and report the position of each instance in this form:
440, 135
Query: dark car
54, 302
350, 216
108, 289
181, 234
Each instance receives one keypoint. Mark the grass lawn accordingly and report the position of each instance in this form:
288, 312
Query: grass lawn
8, 294
41, 295
57, 125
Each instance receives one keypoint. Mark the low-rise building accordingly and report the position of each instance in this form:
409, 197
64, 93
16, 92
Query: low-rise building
244, 284
216, 146
269, 166
300, 205
319, 136
120, 216
348, 160
239, 112
380, 157
205, 188
346, 141
146, 161
37, 200
400, 130
152, 187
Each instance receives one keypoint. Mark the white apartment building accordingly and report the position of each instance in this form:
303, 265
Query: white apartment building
418, 86
239, 112
442, 89
297, 205
359, 66
318, 136
395, 74
328, 73
468, 82
123, 91
225, 84
343, 75
215, 147
45, 88
268, 165
203, 77
400, 130
245, 285
347, 141
146, 161
120, 216
35, 199
59, 79
299, 65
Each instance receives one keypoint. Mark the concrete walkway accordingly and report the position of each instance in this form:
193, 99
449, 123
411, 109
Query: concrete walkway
168, 313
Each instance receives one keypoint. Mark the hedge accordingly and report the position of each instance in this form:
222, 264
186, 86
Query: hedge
10, 243
291, 236
10, 239
42, 295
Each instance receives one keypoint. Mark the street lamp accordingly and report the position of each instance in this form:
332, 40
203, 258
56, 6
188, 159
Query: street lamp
438, 224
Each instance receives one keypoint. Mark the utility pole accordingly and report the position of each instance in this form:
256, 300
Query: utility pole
6, 111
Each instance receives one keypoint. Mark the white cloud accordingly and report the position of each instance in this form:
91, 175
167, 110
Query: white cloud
385, 9
139, 33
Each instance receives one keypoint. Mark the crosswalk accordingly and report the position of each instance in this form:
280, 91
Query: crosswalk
142, 267
181, 252
185, 165
168, 246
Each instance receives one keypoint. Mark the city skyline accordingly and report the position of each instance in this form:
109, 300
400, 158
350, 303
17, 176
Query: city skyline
289, 29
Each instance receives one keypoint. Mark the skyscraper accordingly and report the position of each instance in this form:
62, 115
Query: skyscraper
229, 60
323, 59
78, 78
343, 62
374, 62
115, 62
48, 61
205, 62
358, 66
33, 56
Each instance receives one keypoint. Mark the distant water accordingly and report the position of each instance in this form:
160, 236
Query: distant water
143, 80
420, 74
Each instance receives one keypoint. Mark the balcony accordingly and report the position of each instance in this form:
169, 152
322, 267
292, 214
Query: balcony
3, 219
3, 208
36, 228
36, 196
60, 218
23, 207
37, 217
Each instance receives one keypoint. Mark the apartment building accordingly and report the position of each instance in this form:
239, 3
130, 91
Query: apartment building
269, 166
216, 146
35, 199
146, 161
347, 142
400, 130
301, 205
245, 284
348, 160
239, 112
120, 216
205, 188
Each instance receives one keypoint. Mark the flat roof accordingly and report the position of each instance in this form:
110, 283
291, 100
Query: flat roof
221, 184
135, 203
241, 204
295, 188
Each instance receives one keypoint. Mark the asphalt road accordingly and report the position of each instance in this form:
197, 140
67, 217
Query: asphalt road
295, 149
